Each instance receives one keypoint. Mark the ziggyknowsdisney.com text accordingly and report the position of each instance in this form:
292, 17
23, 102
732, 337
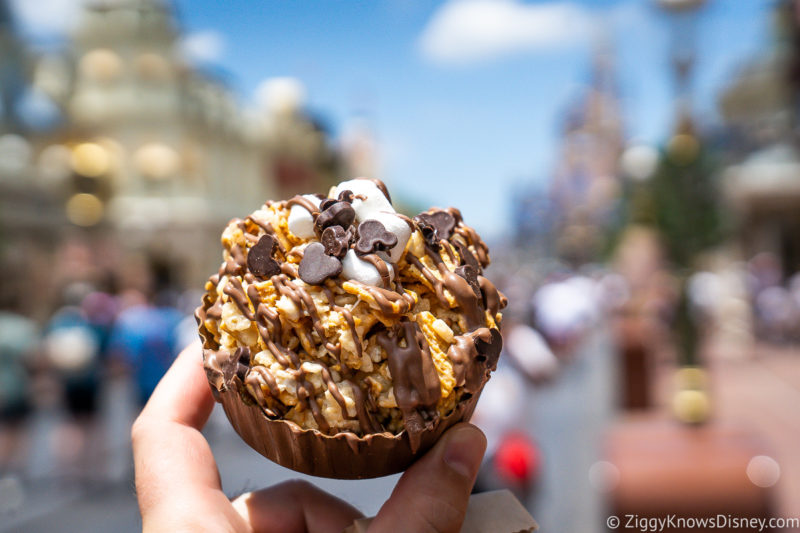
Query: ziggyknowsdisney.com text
720, 521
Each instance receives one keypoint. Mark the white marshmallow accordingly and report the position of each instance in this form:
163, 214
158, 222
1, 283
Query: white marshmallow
377, 207
300, 221
356, 269
375, 201
399, 227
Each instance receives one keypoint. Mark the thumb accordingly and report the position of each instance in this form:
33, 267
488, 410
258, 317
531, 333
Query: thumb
432, 495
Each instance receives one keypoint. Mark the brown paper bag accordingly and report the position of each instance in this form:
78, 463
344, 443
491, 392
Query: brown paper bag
496, 512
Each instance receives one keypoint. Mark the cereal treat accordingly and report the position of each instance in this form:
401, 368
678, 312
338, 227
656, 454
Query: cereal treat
337, 315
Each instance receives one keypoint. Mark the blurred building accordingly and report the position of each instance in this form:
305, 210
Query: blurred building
761, 108
148, 156
296, 142
28, 213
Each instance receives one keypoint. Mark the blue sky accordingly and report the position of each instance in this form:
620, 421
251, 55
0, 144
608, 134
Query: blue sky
466, 103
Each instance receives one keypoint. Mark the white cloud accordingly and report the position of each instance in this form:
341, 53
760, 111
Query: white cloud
47, 18
205, 46
469, 31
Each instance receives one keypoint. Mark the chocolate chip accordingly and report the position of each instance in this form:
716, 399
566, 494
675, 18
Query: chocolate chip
441, 221
346, 196
336, 240
316, 267
471, 275
326, 203
243, 363
373, 237
491, 350
236, 365
334, 214
428, 233
260, 260
467, 257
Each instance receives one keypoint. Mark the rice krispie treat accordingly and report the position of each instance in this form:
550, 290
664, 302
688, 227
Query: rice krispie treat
337, 315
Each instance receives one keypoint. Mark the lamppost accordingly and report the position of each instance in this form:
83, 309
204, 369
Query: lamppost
685, 210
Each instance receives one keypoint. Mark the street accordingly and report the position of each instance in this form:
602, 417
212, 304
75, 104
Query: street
566, 418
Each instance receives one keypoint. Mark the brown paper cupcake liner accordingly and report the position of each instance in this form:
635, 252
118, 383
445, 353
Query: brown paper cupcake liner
344, 455
341, 456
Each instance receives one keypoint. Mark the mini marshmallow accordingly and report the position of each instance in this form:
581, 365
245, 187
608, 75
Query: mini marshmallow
375, 201
356, 269
398, 226
300, 221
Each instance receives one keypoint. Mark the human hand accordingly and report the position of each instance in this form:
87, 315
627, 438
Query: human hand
179, 488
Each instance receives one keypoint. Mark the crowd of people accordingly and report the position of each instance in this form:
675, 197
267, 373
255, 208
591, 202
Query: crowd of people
70, 386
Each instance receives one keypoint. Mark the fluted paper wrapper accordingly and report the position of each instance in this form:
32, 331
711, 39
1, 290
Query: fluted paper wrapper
341, 456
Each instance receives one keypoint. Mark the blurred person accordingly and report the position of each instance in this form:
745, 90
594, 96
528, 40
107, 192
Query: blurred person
565, 310
18, 342
776, 312
512, 457
765, 269
184, 491
100, 309
793, 286
529, 353
145, 341
72, 350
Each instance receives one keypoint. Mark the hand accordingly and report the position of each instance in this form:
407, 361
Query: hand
179, 489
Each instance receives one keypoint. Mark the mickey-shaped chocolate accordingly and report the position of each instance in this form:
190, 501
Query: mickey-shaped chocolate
334, 213
316, 266
373, 237
260, 260
442, 223
336, 240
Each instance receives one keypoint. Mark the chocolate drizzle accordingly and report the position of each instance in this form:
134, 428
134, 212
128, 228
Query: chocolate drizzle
473, 355
416, 383
390, 303
381, 266
380, 185
303, 202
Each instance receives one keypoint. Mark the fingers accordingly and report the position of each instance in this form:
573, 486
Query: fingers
433, 494
175, 469
295, 506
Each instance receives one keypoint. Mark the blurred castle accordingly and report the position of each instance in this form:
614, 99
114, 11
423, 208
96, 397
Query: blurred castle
568, 218
119, 151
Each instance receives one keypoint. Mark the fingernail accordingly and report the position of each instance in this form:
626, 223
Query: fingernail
464, 450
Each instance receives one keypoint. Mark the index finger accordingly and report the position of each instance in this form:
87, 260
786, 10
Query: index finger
172, 460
